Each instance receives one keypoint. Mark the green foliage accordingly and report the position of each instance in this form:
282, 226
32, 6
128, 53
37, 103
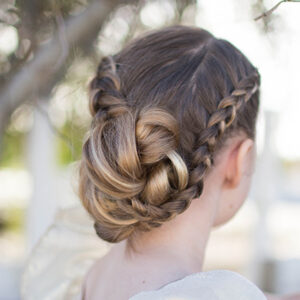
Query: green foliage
69, 145
13, 152
12, 219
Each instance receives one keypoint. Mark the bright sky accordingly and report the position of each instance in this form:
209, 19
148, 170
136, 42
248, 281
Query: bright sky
276, 55
8, 39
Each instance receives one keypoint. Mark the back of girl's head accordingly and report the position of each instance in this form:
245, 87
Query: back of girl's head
162, 109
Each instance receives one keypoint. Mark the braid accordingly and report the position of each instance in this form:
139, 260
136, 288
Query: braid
104, 92
218, 121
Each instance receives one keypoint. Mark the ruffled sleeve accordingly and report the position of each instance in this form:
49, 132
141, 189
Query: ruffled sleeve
57, 265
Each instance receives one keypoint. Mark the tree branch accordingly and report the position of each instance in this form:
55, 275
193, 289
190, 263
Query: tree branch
268, 12
36, 74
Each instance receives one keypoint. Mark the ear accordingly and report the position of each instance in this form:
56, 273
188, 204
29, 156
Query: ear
239, 162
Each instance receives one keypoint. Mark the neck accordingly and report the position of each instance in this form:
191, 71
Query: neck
177, 248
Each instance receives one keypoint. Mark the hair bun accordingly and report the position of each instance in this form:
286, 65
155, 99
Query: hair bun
157, 140
130, 168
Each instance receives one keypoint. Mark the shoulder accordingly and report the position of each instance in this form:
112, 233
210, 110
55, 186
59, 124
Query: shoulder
90, 280
214, 285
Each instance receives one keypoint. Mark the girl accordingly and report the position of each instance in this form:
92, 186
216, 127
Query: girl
169, 156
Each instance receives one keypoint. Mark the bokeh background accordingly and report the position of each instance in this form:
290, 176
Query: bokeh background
48, 52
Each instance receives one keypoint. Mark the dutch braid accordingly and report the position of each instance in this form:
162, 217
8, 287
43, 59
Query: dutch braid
218, 121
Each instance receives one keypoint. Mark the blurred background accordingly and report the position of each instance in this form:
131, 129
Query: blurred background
48, 52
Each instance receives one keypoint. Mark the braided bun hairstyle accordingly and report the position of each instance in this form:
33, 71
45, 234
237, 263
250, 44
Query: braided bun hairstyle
162, 108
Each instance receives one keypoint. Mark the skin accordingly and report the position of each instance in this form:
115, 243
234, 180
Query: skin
177, 248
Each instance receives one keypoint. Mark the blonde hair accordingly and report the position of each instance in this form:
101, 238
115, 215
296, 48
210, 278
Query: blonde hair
162, 108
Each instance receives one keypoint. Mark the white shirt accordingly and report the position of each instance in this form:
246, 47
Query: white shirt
210, 285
